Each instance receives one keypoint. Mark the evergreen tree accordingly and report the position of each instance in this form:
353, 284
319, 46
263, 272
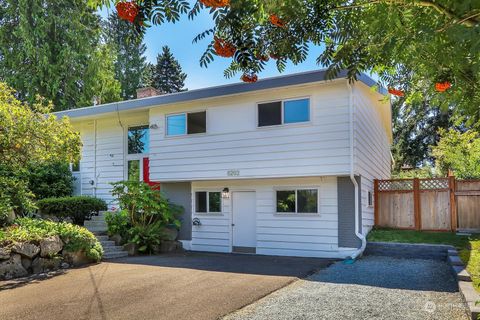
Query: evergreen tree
168, 76
129, 51
46, 49
148, 75
415, 131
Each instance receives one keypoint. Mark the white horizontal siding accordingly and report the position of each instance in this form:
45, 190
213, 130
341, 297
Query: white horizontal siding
103, 153
295, 235
372, 146
233, 141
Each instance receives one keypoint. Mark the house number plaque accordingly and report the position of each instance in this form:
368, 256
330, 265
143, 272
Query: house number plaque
233, 173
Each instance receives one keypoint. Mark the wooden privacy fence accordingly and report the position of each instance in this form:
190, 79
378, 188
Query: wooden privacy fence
438, 204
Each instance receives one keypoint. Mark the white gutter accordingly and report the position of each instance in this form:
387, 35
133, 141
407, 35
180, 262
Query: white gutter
358, 252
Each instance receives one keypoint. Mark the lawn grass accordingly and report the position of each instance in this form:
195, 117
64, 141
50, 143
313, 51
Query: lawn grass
468, 246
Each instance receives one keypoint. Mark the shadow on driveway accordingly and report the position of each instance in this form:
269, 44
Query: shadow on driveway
234, 263
196, 286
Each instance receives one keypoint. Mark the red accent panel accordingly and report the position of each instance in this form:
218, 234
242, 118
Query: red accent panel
146, 175
146, 170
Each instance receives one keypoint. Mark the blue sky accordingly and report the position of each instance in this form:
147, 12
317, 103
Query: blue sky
179, 38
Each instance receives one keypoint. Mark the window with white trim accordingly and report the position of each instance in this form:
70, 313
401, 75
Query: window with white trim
370, 198
208, 202
283, 112
186, 123
297, 201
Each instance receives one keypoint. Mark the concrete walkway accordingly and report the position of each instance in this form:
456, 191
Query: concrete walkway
183, 286
372, 288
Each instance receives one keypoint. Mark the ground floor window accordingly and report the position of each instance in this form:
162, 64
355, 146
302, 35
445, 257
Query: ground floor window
297, 201
208, 202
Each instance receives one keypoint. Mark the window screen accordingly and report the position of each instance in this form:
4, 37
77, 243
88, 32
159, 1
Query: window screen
307, 201
197, 122
176, 125
269, 114
296, 111
214, 202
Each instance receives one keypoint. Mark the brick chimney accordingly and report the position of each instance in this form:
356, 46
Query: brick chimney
147, 92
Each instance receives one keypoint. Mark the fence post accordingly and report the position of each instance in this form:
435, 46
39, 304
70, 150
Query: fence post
375, 202
416, 204
453, 203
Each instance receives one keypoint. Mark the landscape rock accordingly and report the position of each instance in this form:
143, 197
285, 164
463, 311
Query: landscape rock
77, 258
117, 238
43, 265
64, 265
26, 249
4, 253
49, 247
12, 268
170, 234
131, 248
170, 246
26, 263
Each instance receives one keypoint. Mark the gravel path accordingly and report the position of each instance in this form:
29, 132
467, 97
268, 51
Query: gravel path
372, 288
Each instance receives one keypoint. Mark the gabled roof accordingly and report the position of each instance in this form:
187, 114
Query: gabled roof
212, 92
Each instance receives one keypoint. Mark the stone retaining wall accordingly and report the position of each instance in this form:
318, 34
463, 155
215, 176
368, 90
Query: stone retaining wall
23, 258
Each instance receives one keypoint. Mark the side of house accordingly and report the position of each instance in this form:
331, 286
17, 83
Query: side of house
264, 168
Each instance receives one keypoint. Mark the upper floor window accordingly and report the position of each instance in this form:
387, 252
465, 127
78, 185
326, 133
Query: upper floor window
283, 112
186, 123
138, 140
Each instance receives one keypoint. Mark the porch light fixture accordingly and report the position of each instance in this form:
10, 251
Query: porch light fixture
225, 193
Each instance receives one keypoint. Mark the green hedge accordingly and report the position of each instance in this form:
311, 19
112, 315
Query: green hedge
77, 208
34, 230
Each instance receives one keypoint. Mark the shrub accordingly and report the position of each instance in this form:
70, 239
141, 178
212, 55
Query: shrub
146, 237
145, 211
49, 180
14, 192
33, 230
77, 208
118, 223
145, 204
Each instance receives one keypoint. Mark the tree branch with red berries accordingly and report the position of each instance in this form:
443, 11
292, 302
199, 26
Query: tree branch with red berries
437, 41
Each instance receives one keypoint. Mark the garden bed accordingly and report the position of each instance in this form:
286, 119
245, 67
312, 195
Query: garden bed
468, 246
32, 246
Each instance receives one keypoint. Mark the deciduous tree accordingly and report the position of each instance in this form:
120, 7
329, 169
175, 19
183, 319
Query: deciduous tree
437, 40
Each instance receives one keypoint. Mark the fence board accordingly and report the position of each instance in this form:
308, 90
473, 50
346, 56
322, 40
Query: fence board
435, 210
467, 196
395, 210
428, 204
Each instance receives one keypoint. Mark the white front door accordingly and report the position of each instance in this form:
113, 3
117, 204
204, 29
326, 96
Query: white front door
244, 222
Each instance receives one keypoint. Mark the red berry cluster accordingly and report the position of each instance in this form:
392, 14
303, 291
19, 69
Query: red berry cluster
442, 86
127, 10
250, 78
215, 3
276, 21
396, 92
223, 48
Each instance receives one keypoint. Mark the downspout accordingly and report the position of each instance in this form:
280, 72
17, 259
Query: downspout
358, 252
94, 184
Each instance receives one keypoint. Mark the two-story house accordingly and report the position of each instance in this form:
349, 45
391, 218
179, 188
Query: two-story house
284, 166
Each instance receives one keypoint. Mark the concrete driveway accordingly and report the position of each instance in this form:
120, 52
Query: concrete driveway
181, 286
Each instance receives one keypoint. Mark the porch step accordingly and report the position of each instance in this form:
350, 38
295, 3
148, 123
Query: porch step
107, 243
98, 227
114, 255
102, 238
